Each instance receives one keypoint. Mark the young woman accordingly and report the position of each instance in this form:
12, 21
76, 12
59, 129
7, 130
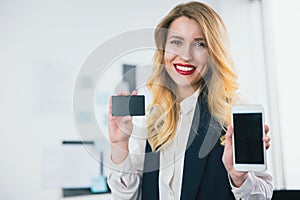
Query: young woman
193, 87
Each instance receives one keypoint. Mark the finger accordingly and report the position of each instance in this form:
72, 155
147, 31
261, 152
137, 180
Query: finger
268, 145
267, 139
120, 93
229, 131
134, 92
126, 93
126, 119
267, 129
228, 135
110, 108
227, 154
123, 93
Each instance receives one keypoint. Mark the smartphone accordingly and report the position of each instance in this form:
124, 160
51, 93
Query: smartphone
133, 105
249, 152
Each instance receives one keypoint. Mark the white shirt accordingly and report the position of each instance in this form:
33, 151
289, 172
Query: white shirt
172, 157
171, 165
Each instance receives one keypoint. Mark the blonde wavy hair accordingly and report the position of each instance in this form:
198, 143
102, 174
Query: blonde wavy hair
221, 85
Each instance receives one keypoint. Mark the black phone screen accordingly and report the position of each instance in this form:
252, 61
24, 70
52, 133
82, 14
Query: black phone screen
128, 105
248, 133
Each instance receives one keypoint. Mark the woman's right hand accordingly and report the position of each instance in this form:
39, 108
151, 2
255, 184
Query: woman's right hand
120, 129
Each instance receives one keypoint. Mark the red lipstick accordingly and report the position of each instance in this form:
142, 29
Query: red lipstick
184, 69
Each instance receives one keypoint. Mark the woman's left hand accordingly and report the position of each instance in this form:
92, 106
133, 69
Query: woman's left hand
237, 177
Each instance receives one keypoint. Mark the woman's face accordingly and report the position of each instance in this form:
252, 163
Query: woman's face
185, 57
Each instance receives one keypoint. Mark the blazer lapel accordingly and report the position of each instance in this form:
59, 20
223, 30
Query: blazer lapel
197, 150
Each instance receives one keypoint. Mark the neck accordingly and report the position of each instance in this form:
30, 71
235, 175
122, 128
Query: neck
184, 92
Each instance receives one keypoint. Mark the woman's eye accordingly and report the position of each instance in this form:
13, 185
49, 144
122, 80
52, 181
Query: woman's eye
176, 42
199, 44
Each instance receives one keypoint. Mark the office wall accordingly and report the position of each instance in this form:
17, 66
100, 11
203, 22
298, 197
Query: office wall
284, 17
40, 38
52, 39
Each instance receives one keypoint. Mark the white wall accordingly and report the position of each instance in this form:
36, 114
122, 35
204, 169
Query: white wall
37, 34
61, 34
285, 31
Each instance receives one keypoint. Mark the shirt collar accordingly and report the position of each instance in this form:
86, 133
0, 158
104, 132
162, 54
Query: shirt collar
189, 103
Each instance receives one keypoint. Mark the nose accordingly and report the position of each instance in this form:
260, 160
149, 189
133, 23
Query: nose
186, 53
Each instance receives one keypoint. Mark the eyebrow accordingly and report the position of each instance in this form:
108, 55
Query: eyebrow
182, 38
176, 37
199, 39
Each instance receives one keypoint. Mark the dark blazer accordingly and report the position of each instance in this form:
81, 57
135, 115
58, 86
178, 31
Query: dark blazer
204, 175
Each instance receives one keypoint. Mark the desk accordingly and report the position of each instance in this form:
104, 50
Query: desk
277, 195
84, 194
90, 197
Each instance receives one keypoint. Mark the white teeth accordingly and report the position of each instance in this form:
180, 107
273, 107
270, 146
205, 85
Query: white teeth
184, 68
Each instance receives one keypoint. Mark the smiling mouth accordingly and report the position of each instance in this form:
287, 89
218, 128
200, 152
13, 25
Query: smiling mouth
184, 69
